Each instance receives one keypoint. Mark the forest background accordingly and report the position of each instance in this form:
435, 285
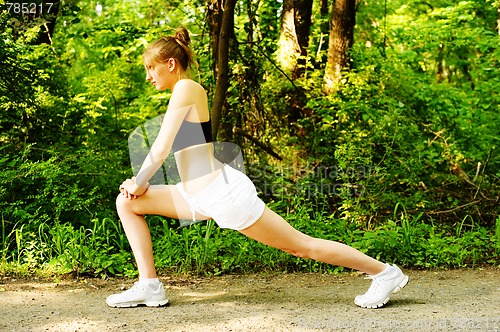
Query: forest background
373, 123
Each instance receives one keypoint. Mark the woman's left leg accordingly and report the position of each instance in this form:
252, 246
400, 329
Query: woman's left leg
271, 229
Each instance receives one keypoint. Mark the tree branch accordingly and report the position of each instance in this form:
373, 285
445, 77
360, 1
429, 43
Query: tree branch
258, 143
456, 208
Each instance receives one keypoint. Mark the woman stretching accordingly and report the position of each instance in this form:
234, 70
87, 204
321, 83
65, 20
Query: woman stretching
210, 189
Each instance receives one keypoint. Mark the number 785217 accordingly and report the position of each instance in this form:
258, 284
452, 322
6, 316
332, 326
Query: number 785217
29, 7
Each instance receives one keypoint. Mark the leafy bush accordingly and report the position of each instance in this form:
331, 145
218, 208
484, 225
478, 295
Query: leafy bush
203, 248
414, 125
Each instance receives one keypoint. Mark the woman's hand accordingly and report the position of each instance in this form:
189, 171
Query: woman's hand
131, 190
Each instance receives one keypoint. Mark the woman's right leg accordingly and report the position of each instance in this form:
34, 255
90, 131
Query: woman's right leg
160, 200
165, 200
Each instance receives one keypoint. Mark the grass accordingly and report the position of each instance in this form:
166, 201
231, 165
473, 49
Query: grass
497, 235
204, 248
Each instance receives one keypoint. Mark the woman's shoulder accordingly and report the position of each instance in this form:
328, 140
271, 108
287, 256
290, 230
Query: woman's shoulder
188, 92
189, 84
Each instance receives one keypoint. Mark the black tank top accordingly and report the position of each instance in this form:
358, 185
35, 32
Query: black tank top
192, 133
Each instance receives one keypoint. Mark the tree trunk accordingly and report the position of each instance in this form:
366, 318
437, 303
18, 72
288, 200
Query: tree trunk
341, 40
47, 29
302, 20
294, 35
288, 45
214, 13
222, 62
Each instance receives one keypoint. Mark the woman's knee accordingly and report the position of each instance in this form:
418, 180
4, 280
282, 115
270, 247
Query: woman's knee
123, 204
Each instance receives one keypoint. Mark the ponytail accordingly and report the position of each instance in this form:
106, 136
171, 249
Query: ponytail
176, 46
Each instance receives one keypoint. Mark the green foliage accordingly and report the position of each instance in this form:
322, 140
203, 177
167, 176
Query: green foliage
70, 187
497, 235
60, 249
34, 108
203, 248
401, 163
412, 118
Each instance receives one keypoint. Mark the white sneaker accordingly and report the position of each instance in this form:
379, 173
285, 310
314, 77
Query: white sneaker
391, 280
139, 294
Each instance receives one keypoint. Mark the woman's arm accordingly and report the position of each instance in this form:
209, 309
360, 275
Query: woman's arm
181, 103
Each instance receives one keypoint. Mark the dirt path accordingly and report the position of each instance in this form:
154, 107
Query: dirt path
458, 300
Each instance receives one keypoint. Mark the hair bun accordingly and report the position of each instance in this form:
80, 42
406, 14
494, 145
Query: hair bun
182, 35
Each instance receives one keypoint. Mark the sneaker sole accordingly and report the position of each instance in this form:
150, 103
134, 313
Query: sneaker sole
137, 304
381, 304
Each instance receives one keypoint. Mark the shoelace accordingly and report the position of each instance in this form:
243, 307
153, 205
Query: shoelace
139, 287
376, 282
136, 287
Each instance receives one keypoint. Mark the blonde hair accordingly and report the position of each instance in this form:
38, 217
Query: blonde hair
176, 46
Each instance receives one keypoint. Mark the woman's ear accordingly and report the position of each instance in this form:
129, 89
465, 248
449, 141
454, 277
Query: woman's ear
171, 64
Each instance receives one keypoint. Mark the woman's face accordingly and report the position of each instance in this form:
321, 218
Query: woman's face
161, 75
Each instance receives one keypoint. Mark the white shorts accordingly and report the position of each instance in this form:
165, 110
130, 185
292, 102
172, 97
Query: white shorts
230, 200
